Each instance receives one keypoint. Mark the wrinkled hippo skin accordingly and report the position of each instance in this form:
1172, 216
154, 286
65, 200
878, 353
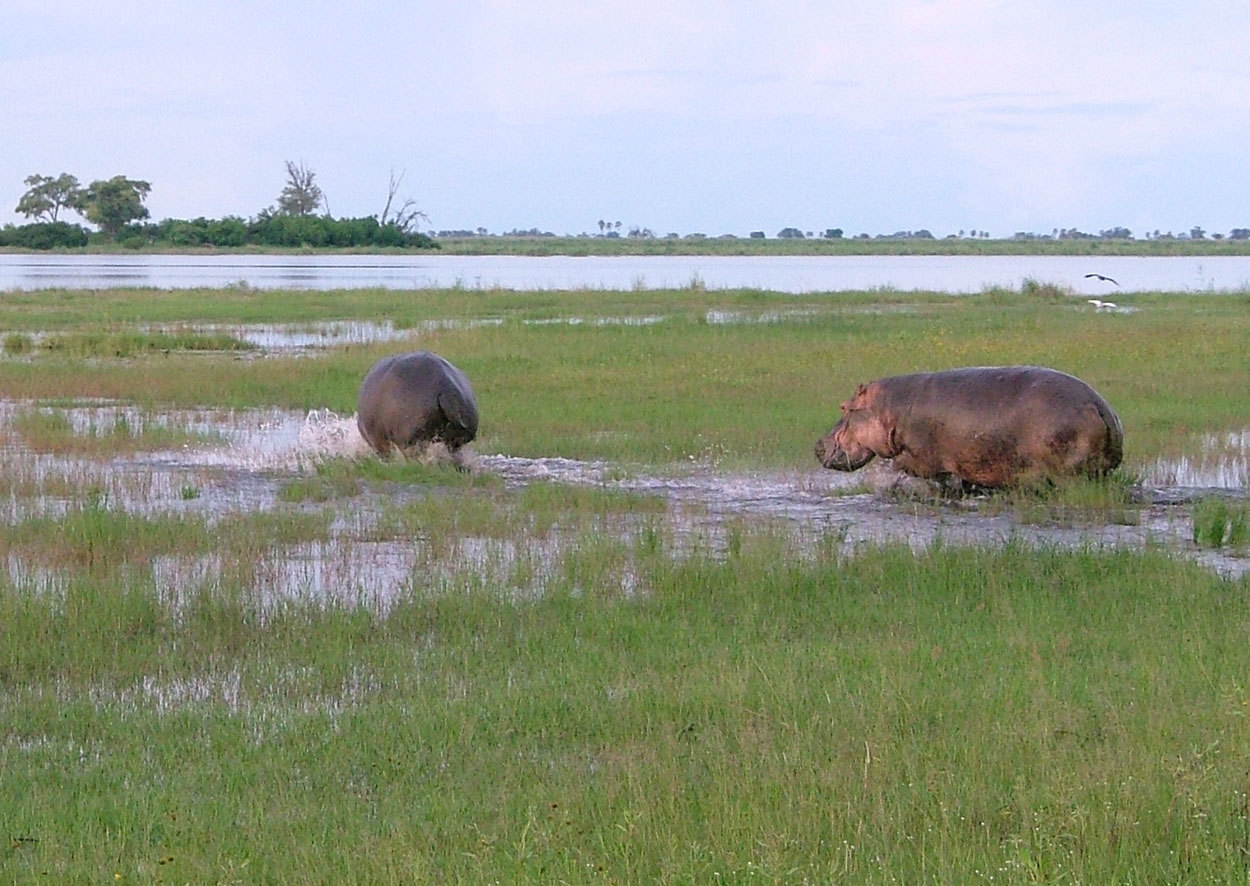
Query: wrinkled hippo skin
985, 426
408, 401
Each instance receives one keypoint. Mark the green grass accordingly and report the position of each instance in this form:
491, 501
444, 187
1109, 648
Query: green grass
130, 344
104, 542
937, 718
18, 343
336, 478
1219, 522
744, 395
1115, 498
577, 684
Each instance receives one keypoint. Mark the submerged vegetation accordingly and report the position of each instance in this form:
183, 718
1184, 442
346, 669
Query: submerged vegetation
360, 670
46, 431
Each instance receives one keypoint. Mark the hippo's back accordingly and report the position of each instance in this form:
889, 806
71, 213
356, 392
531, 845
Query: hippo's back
1003, 421
413, 398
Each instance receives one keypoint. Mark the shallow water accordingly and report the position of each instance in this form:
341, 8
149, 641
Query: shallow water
275, 336
1222, 461
260, 449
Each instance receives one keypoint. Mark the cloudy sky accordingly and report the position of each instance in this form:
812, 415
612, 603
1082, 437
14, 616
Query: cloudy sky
691, 116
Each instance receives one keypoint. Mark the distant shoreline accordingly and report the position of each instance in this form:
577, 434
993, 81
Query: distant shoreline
721, 246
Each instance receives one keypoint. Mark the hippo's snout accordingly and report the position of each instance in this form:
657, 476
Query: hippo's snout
835, 457
830, 455
822, 449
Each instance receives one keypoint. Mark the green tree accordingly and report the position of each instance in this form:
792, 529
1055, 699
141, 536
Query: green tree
115, 202
301, 196
48, 196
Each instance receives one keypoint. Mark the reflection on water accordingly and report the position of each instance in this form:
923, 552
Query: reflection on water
1222, 462
273, 336
793, 274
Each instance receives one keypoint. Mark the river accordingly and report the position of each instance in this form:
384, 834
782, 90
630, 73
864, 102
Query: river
792, 274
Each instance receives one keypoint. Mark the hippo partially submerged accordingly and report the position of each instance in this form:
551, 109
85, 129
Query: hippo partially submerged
984, 425
408, 401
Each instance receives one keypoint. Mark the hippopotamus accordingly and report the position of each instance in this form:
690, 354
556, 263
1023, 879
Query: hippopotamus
987, 426
408, 401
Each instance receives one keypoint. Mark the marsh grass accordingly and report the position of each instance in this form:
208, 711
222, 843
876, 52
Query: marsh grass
335, 478
18, 343
534, 511
128, 344
1032, 288
754, 395
1115, 498
97, 537
52, 431
943, 717
1219, 522
565, 690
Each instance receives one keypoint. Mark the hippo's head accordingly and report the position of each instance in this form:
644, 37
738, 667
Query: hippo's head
860, 435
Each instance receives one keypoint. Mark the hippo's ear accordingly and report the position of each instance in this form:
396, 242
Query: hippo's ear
856, 401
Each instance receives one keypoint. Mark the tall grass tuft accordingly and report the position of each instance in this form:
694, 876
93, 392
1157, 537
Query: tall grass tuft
18, 343
1032, 288
1219, 522
1114, 498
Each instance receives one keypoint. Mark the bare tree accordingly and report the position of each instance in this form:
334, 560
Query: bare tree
407, 216
301, 196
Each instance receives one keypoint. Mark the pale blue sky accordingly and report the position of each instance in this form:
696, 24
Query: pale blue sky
717, 117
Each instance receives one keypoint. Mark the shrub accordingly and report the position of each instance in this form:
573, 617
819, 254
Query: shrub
44, 235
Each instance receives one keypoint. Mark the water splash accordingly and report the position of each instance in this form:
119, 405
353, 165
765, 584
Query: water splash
279, 440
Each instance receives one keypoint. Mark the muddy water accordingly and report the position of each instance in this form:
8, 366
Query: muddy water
260, 449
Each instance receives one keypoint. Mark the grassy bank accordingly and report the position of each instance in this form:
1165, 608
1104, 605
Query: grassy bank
740, 245
728, 244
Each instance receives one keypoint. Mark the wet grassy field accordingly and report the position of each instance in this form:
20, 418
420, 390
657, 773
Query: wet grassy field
647, 376
558, 685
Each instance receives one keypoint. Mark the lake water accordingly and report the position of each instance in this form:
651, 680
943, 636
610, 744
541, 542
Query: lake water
793, 274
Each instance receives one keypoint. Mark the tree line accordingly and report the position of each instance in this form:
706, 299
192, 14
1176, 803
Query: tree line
116, 207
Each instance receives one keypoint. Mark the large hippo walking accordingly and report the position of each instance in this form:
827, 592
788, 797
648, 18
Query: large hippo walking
409, 400
983, 425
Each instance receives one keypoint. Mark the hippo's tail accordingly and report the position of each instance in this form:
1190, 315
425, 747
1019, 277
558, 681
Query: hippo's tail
459, 411
1113, 445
